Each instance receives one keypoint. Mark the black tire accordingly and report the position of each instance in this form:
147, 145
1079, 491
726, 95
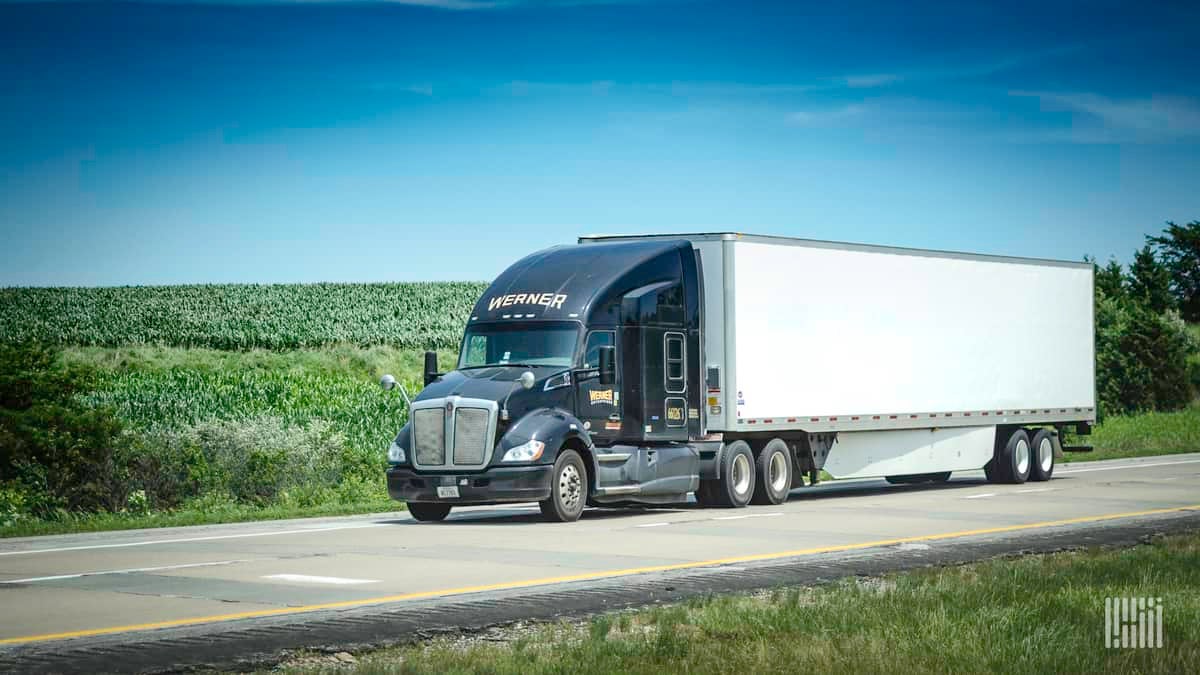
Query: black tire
1014, 459
736, 486
706, 494
774, 473
428, 512
1041, 452
568, 489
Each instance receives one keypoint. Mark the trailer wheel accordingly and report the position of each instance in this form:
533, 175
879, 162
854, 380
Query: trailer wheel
736, 485
1042, 447
568, 489
1014, 459
428, 511
774, 469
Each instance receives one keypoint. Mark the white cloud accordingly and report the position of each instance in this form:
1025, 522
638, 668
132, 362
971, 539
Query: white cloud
876, 80
1099, 119
826, 117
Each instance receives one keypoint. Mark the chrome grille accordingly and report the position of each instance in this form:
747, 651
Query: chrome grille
453, 433
470, 431
429, 432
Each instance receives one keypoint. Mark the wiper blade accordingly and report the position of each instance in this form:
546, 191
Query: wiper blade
502, 365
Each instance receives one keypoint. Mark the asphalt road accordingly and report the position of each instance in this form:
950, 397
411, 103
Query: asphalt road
78, 587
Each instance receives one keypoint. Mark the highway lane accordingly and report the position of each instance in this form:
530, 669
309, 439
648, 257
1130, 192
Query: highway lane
96, 584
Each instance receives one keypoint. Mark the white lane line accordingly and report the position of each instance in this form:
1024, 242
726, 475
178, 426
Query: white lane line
1045, 489
653, 525
749, 515
131, 570
986, 494
184, 540
1129, 466
306, 579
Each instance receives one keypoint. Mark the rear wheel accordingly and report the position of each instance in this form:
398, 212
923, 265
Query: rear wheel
1042, 464
428, 511
1014, 459
774, 469
736, 485
568, 489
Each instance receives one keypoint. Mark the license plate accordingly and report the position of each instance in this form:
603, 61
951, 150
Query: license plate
448, 491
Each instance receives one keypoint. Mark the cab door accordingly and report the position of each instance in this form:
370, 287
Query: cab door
599, 406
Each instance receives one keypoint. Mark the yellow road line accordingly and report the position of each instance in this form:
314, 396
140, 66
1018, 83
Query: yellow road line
587, 576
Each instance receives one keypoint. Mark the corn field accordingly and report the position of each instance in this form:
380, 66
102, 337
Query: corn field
241, 316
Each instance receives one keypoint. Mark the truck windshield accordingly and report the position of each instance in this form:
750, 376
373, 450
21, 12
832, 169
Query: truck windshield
492, 345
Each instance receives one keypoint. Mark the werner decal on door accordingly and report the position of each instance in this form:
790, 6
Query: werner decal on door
604, 396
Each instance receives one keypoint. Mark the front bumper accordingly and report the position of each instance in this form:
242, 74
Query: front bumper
490, 486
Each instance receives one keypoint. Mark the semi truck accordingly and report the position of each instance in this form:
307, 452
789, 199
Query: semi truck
729, 367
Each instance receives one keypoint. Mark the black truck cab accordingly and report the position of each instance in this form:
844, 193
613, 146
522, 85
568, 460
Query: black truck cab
528, 414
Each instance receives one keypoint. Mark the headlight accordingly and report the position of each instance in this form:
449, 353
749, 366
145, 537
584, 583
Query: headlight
528, 451
396, 454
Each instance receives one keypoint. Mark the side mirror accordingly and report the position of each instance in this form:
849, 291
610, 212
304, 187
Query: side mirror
389, 383
608, 365
431, 369
527, 379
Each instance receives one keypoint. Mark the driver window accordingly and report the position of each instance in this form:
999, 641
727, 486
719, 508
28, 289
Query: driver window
596, 340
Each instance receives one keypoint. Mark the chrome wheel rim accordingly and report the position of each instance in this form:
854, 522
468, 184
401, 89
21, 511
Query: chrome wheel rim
569, 487
740, 474
778, 472
1022, 456
1046, 455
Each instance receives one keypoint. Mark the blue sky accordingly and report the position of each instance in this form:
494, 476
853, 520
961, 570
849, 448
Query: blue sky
152, 143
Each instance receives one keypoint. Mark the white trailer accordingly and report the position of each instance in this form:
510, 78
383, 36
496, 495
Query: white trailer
883, 361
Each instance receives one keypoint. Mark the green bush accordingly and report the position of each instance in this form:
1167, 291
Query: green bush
256, 461
67, 454
1142, 358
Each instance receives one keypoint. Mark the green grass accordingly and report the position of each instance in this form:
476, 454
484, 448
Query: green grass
218, 513
175, 388
241, 316
1153, 433
1036, 614
172, 398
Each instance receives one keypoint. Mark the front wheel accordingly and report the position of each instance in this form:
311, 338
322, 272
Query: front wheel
568, 489
428, 511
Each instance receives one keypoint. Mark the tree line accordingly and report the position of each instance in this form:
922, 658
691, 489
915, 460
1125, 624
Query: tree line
1146, 355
